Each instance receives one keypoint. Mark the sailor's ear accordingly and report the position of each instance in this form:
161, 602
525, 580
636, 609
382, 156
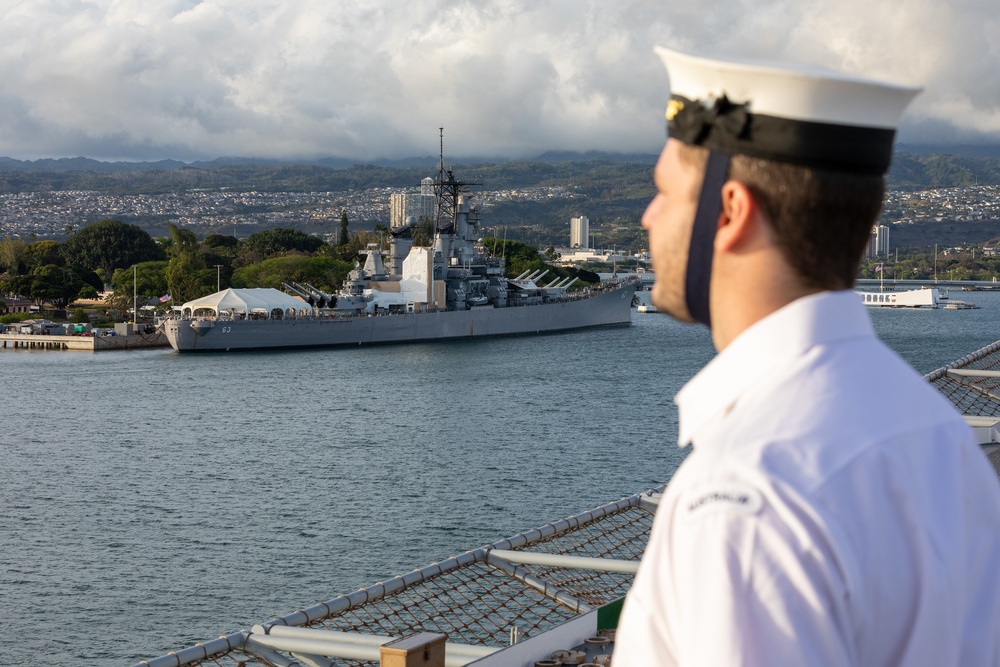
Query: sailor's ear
739, 220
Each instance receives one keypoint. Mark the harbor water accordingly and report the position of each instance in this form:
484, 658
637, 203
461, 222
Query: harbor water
153, 500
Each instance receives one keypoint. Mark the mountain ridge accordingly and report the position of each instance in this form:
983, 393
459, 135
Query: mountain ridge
81, 163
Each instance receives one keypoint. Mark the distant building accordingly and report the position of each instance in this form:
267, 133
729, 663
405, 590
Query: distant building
9, 305
403, 206
577, 255
579, 232
606, 256
397, 210
878, 243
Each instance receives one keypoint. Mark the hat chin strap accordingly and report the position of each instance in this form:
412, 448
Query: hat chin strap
706, 222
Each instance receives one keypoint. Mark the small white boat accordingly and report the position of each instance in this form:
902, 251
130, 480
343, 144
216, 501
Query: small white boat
959, 305
643, 308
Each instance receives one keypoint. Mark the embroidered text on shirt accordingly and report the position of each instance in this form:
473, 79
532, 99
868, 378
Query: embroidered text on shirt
721, 497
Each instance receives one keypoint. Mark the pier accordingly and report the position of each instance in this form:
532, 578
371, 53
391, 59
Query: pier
82, 343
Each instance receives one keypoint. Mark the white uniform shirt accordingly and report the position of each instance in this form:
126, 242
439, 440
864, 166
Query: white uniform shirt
835, 510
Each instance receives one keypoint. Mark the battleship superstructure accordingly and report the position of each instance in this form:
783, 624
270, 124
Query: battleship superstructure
454, 289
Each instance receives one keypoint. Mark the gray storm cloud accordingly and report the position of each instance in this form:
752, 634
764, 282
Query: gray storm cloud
132, 79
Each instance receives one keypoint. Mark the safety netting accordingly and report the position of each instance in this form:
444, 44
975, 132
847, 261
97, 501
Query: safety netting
972, 383
472, 598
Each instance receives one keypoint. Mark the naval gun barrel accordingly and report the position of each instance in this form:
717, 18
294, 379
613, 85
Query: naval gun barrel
313, 296
317, 291
559, 284
520, 277
570, 283
535, 277
292, 288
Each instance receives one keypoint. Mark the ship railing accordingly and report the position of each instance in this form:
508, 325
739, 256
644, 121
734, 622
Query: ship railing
534, 581
972, 383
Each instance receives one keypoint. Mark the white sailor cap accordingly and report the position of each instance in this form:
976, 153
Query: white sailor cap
787, 112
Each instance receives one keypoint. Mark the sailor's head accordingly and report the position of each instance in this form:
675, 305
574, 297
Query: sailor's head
809, 146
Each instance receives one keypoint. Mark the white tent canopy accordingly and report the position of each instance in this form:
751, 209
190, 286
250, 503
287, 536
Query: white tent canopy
260, 301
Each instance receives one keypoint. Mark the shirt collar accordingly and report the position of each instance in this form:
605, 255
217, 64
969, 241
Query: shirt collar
779, 338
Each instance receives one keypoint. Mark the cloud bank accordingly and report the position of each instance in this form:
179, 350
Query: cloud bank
190, 79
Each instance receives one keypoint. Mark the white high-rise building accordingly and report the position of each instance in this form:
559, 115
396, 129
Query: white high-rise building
406, 205
397, 210
878, 243
579, 232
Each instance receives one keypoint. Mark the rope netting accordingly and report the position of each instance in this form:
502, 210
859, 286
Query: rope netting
235, 658
480, 604
477, 602
625, 542
972, 394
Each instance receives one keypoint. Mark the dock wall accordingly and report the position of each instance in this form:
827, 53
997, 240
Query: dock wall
81, 343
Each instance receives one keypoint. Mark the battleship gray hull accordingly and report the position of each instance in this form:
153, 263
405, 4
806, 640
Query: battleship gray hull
609, 307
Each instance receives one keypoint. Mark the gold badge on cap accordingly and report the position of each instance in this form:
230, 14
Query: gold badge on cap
674, 107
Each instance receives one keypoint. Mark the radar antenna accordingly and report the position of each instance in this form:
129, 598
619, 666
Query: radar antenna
447, 190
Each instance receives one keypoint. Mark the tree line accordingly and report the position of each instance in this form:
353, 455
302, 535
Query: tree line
111, 254
968, 263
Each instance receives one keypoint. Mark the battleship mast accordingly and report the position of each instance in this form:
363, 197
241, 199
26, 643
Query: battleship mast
447, 190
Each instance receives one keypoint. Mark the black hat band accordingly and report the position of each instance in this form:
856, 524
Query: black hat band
732, 128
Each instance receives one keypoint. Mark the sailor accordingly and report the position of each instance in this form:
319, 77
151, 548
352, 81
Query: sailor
834, 509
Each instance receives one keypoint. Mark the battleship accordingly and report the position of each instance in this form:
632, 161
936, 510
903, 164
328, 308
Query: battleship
453, 289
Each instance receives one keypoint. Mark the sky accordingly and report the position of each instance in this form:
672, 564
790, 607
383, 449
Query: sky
375, 79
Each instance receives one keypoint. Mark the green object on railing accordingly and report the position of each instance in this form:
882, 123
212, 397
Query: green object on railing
608, 615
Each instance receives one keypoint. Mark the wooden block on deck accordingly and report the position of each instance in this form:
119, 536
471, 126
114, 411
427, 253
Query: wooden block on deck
424, 649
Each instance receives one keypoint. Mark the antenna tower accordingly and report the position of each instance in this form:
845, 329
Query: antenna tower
448, 190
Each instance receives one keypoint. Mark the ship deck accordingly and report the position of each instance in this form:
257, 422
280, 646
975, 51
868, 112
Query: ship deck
563, 580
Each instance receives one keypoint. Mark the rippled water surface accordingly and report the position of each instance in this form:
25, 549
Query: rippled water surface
153, 500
